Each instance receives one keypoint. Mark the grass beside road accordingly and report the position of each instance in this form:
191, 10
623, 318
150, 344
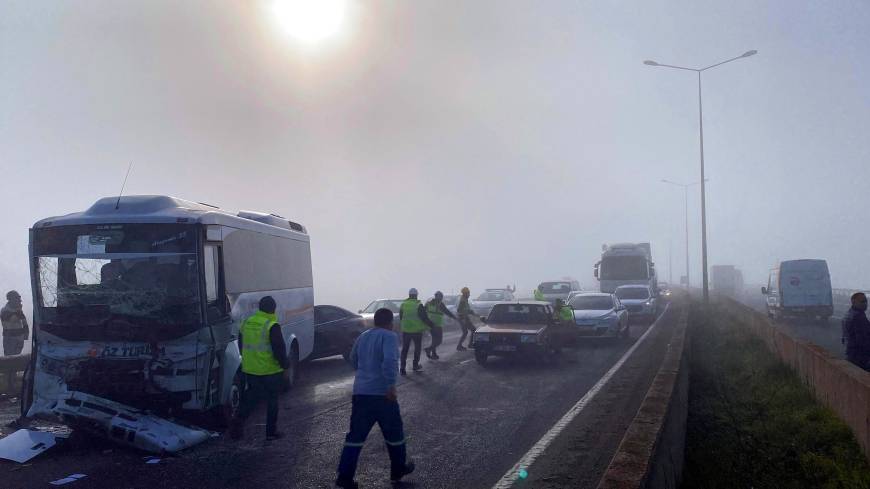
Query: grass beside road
753, 424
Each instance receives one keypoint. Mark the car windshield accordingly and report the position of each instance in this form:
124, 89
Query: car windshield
491, 295
392, 305
141, 274
624, 268
591, 302
632, 293
518, 314
555, 287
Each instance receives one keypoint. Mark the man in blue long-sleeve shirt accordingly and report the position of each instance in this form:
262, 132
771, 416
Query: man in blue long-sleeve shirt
375, 357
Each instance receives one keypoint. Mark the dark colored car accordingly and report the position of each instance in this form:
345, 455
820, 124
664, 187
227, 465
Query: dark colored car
521, 329
335, 330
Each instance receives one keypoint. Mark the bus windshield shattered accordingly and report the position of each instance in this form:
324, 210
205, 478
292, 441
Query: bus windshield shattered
100, 281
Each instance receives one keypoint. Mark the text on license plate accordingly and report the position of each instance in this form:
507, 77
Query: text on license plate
504, 348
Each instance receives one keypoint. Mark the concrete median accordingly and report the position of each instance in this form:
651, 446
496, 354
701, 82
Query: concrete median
651, 453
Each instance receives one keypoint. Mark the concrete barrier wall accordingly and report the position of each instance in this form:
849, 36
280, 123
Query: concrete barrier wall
836, 383
652, 451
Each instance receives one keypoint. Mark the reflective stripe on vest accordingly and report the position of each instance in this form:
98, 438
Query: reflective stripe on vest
257, 356
411, 322
435, 313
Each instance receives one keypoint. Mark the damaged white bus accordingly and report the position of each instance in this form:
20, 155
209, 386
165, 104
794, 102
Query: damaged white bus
137, 306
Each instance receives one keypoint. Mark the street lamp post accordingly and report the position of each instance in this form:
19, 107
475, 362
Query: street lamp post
701, 131
685, 187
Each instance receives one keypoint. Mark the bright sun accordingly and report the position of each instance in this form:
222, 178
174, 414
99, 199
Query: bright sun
310, 21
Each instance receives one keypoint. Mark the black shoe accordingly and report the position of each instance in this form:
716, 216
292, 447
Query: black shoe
409, 467
275, 436
403, 372
428, 352
435, 356
418, 367
460, 348
346, 484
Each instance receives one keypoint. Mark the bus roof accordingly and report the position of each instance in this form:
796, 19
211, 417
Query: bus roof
166, 209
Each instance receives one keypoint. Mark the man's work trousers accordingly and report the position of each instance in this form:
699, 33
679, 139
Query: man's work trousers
467, 327
13, 344
437, 338
407, 338
365, 412
262, 387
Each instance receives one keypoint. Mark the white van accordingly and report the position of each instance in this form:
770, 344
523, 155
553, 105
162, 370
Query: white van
558, 289
138, 302
800, 288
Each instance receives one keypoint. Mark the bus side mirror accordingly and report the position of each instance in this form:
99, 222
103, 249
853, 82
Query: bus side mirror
764, 290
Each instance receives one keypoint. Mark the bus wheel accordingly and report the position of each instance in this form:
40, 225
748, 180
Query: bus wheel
291, 374
225, 413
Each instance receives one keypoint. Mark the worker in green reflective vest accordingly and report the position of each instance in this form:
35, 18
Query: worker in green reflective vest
436, 310
563, 312
264, 358
414, 321
539, 296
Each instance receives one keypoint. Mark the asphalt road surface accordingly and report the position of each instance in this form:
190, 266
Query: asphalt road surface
466, 426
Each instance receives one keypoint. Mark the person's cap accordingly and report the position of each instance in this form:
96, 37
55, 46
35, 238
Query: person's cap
383, 317
12, 294
413, 291
439, 295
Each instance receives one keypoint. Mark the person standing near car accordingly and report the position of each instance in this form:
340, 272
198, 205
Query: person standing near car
374, 357
15, 328
464, 311
414, 321
436, 310
856, 332
264, 359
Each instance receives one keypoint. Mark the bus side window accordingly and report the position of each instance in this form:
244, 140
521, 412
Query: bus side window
215, 307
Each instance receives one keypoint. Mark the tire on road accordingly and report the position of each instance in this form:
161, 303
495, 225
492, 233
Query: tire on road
223, 415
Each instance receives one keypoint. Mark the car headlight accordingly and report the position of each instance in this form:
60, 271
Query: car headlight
528, 338
481, 336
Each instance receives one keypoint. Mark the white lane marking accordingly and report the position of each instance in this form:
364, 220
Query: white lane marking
512, 475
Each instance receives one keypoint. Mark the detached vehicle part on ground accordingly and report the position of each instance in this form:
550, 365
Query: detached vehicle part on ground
137, 307
523, 329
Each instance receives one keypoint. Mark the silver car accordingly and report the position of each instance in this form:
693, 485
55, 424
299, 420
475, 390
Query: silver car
600, 314
484, 302
639, 300
368, 313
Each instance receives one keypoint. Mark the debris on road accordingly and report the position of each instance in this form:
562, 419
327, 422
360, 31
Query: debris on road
23, 445
68, 479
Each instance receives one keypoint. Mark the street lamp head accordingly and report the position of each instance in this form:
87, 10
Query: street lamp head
653, 63
749, 53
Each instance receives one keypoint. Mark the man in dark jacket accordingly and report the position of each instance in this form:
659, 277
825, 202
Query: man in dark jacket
15, 328
856, 332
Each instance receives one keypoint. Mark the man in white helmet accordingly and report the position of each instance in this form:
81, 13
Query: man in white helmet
436, 310
15, 328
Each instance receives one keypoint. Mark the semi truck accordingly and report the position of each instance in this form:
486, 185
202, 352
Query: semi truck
726, 280
626, 264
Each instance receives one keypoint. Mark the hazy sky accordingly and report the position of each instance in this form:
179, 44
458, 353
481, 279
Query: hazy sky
448, 143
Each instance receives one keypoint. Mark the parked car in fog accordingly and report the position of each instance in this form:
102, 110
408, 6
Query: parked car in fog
335, 330
600, 314
368, 313
490, 297
639, 301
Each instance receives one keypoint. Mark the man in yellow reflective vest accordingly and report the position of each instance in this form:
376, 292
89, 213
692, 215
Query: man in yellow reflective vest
539, 296
264, 358
436, 310
563, 312
415, 321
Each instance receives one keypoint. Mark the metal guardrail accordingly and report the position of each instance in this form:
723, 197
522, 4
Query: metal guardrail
9, 368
